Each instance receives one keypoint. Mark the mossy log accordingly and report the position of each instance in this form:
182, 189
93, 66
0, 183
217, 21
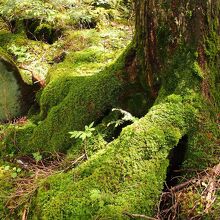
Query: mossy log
16, 95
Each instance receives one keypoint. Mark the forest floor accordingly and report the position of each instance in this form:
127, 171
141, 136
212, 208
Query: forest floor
62, 47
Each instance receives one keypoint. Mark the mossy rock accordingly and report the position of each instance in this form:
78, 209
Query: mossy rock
16, 96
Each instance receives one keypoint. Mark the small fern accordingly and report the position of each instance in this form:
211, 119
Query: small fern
83, 135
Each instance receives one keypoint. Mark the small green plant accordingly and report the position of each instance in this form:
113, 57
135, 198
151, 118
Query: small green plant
20, 53
83, 135
6, 168
14, 171
37, 156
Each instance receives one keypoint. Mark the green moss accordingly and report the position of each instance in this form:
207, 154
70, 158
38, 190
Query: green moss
7, 38
15, 138
69, 80
119, 177
5, 56
80, 63
3, 26
198, 71
29, 55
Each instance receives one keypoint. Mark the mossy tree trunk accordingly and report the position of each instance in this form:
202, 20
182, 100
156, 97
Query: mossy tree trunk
177, 62
178, 52
167, 28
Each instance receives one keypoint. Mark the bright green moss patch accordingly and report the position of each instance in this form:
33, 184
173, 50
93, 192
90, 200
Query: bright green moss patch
78, 104
85, 62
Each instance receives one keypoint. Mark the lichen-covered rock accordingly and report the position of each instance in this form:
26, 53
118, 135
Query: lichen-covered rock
15, 96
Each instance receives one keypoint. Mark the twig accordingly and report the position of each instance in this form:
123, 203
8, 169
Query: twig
24, 215
73, 163
139, 216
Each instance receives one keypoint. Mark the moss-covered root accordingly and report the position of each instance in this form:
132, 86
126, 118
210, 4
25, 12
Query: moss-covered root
70, 102
127, 176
